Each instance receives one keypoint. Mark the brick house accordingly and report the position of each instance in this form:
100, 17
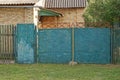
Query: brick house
61, 13
53, 14
17, 11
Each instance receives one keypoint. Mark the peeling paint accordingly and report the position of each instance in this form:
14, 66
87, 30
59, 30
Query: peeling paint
25, 52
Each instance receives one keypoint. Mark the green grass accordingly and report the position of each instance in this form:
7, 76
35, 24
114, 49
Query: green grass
59, 72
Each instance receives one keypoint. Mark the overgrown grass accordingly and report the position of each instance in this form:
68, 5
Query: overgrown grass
59, 72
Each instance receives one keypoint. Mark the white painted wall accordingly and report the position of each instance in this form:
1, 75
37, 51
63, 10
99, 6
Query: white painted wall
37, 7
35, 15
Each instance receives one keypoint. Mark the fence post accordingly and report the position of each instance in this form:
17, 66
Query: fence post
37, 45
111, 44
73, 44
118, 56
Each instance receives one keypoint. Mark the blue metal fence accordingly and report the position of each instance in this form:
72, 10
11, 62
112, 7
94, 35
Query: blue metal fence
91, 45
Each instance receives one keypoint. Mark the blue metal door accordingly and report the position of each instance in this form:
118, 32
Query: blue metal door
25, 43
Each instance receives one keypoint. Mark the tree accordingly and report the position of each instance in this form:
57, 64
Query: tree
103, 11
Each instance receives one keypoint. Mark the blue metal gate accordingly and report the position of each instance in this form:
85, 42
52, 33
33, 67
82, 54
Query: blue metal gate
25, 43
92, 45
54, 45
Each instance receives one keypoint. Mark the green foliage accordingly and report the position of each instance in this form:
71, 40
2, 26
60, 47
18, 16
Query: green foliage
103, 11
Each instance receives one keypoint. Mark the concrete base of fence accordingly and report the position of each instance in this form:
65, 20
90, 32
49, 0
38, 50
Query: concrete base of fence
7, 61
72, 63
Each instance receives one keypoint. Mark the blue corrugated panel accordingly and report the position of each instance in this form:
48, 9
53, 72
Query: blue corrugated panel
54, 46
25, 43
92, 45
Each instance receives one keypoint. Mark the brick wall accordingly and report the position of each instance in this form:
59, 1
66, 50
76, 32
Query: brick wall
16, 15
71, 18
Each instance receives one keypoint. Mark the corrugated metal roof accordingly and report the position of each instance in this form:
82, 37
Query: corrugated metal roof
65, 3
10, 2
